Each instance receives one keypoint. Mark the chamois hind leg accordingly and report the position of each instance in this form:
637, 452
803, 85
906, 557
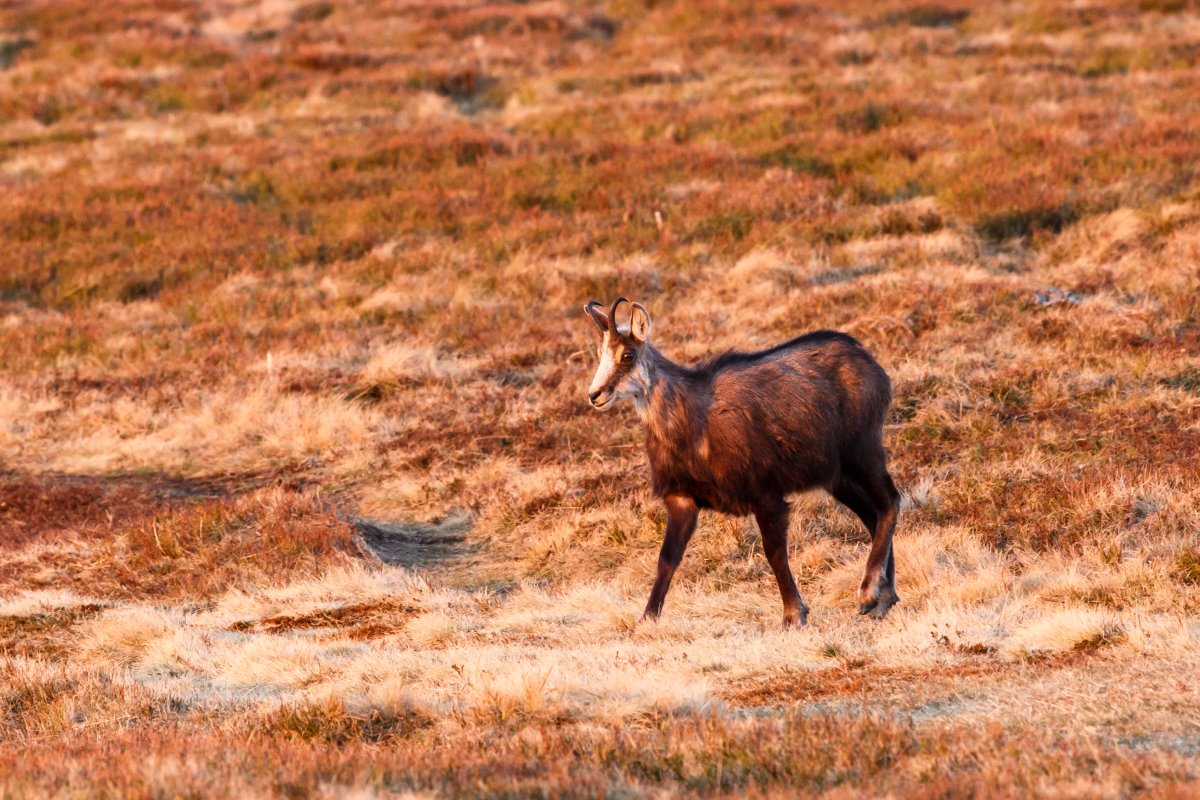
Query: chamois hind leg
852, 495
877, 593
772, 520
681, 524
855, 498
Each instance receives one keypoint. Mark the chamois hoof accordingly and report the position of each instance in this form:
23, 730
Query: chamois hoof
881, 606
795, 619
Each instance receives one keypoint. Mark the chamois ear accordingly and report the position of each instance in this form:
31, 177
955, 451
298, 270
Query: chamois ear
639, 323
596, 311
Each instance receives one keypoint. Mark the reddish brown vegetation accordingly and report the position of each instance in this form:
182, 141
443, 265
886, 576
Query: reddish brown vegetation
133, 541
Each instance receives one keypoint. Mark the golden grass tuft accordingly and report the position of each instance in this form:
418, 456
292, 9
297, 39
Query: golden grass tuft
121, 638
1076, 629
399, 364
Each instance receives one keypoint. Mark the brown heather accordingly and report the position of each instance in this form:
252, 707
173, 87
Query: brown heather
269, 266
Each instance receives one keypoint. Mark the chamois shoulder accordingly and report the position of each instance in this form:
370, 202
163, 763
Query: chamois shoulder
810, 341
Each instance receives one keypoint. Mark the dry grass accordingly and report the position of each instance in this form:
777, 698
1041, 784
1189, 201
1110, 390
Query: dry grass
270, 266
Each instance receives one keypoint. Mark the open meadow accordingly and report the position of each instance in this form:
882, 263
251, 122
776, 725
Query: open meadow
300, 491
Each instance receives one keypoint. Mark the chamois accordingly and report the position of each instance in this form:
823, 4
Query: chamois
740, 432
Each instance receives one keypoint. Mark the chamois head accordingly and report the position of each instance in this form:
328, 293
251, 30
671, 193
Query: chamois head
623, 370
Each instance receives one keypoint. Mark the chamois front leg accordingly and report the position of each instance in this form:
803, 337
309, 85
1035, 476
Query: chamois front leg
773, 522
681, 524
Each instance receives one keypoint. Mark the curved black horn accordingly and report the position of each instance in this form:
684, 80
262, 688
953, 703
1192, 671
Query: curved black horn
612, 312
593, 304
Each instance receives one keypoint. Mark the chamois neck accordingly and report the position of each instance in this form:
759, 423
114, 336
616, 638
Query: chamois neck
660, 376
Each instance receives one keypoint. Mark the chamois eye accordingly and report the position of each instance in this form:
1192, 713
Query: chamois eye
627, 356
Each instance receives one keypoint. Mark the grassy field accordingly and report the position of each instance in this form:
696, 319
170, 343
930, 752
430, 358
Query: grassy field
271, 268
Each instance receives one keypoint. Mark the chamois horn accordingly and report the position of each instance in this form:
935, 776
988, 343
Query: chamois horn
590, 306
612, 313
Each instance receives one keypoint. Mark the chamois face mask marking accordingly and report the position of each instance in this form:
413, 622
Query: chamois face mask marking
622, 372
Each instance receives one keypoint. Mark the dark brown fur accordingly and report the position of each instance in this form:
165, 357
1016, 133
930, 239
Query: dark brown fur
739, 433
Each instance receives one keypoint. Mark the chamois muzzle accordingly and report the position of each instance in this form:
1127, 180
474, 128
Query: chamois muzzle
600, 399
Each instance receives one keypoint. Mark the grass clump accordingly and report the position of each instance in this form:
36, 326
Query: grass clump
798, 160
868, 119
1187, 566
1023, 223
11, 48
335, 722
